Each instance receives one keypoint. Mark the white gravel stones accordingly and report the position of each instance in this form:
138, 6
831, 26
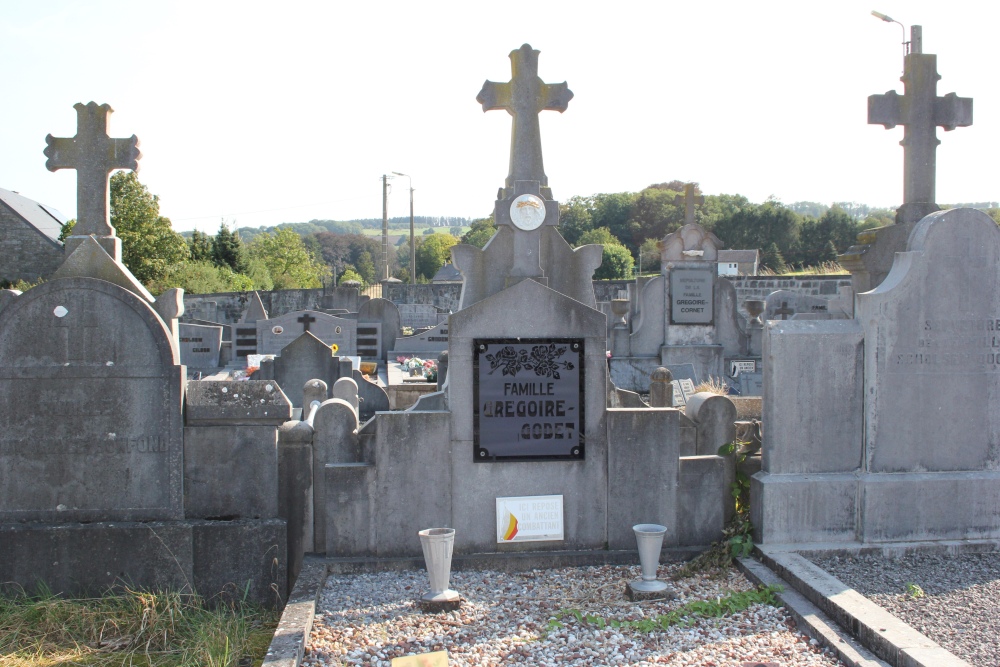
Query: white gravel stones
960, 602
368, 619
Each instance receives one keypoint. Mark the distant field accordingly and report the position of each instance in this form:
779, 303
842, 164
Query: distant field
417, 231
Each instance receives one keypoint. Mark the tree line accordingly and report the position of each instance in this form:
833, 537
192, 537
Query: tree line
627, 224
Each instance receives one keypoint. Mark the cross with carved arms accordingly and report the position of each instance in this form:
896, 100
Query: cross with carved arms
524, 97
94, 155
919, 110
690, 201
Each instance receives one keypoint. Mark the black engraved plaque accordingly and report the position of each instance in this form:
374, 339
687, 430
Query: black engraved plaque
528, 396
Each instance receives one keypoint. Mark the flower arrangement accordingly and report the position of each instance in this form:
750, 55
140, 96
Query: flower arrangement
417, 366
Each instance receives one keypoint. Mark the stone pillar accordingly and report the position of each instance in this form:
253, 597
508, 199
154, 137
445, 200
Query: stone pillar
620, 338
346, 389
295, 491
661, 392
335, 441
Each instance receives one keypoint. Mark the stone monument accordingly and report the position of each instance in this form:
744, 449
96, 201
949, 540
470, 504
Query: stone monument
895, 435
94, 155
920, 111
527, 244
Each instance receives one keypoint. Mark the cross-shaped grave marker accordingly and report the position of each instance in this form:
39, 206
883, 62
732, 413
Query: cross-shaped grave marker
784, 311
306, 319
919, 110
690, 201
94, 155
524, 97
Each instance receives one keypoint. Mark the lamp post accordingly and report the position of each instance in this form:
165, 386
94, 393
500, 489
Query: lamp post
889, 19
413, 247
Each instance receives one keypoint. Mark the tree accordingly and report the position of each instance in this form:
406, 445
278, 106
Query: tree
366, 267
599, 236
202, 277
759, 226
350, 274
200, 247
67, 229
574, 220
433, 253
772, 259
480, 232
149, 244
288, 261
649, 258
616, 263
228, 250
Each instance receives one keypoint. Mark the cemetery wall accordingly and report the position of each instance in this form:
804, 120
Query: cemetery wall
228, 307
25, 253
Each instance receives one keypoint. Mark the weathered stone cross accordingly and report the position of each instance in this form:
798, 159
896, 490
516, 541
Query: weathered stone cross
94, 155
524, 97
690, 201
784, 311
919, 110
306, 319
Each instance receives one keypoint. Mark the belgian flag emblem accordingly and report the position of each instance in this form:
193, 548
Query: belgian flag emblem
511, 527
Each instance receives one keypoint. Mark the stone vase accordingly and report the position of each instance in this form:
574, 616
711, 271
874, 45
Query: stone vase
437, 545
649, 537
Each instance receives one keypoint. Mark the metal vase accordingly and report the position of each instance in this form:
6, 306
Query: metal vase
649, 537
438, 544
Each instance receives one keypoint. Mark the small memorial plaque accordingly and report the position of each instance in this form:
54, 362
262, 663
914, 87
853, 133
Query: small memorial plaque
691, 296
528, 397
740, 366
530, 519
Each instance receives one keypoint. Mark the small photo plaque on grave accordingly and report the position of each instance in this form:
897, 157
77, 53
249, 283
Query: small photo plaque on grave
691, 299
528, 396
530, 519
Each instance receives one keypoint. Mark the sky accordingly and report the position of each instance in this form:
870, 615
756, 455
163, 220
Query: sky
257, 113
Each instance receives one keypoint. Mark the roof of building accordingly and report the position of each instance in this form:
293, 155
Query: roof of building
45, 219
740, 256
447, 274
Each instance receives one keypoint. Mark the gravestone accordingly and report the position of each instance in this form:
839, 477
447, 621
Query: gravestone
420, 315
423, 344
920, 111
90, 366
245, 331
200, 345
916, 378
787, 305
378, 328
303, 359
686, 315
690, 200
275, 333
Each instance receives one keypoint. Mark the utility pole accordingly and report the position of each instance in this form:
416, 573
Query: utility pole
385, 225
413, 246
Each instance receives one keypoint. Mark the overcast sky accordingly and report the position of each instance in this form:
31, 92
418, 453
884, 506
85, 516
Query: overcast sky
260, 113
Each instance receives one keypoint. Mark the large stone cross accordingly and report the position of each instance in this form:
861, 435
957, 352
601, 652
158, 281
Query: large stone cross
524, 97
94, 155
919, 110
690, 201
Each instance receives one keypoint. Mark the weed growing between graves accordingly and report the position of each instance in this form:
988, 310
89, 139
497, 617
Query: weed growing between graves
135, 628
737, 536
914, 591
685, 615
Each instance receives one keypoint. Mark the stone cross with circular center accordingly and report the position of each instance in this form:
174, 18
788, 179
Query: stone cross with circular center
524, 97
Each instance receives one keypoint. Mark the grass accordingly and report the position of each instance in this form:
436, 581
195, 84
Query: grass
684, 615
824, 269
131, 628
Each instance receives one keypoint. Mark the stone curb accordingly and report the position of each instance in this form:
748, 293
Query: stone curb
289, 642
810, 619
888, 637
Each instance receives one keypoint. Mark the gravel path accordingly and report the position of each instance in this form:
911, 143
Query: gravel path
960, 604
368, 619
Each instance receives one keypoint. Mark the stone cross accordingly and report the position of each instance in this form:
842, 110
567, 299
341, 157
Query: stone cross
306, 319
919, 110
784, 311
524, 97
94, 155
690, 201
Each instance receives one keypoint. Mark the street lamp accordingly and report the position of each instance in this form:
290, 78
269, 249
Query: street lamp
889, 19
413, 247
